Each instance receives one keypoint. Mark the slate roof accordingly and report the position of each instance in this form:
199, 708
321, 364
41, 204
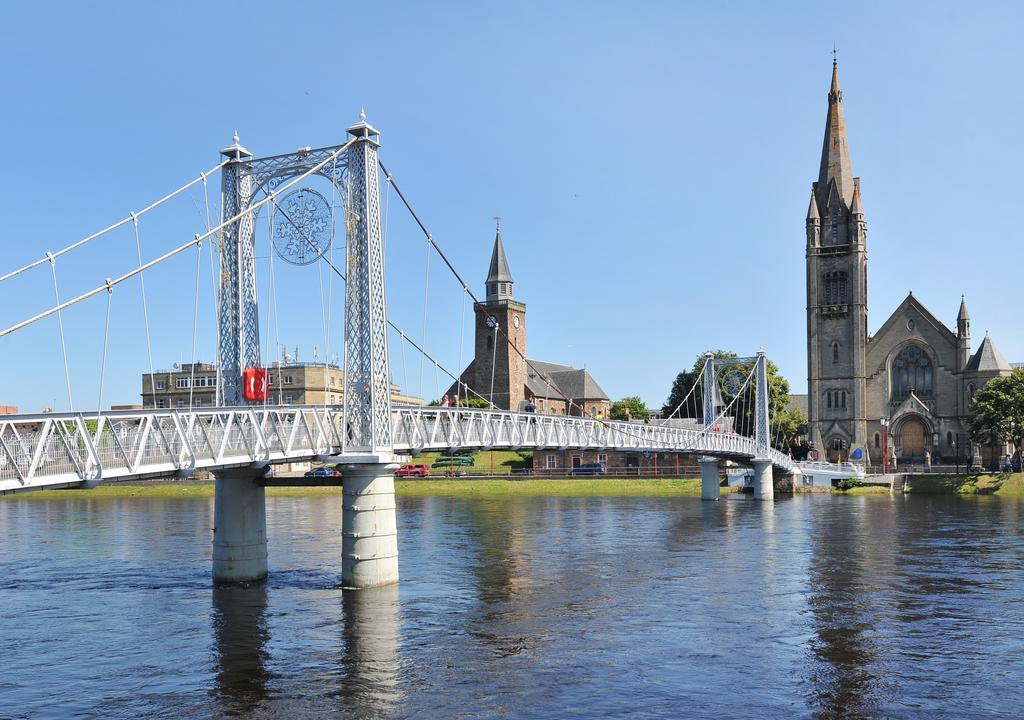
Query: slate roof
574, 383
987, 359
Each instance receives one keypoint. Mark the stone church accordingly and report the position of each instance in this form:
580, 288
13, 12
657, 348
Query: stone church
915, 377
500, 370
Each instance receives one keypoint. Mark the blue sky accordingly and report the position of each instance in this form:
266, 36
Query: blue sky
651, 166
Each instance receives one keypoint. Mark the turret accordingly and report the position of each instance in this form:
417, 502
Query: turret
963, 335
858, 225
813, 223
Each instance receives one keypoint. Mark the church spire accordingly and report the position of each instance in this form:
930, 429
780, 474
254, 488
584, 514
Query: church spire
499, 279
835, 150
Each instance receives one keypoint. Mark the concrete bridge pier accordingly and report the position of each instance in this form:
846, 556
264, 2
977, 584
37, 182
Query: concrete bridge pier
369, 543
239, 526
710, 480
764, 482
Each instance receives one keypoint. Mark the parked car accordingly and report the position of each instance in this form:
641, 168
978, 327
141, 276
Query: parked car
322, 472
410, 470
589, 469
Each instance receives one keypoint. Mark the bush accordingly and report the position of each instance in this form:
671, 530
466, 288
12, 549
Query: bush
848, 483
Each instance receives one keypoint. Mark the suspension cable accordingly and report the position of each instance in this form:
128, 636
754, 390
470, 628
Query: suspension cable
477, 305
393, 326
130, 218
198, 239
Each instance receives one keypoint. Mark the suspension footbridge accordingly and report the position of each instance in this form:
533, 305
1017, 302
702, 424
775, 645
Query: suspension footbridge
245, 433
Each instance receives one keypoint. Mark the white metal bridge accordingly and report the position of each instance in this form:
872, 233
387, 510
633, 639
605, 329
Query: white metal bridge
245, 432
64, 450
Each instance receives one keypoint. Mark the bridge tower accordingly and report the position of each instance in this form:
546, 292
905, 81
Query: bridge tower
369, 545
369, 541
239, 507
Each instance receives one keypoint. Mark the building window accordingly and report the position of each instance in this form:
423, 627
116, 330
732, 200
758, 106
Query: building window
181, 382
834, 287
829, 396
877, 440
287, 379
949, 439
288, 399
161, 384
198, 402
180, 403
551, 462
835, 353
970, 395
490, 342
602, 458
911, 373
161, 402
844, 399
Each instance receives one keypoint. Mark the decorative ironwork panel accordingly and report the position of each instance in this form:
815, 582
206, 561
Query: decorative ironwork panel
304, 228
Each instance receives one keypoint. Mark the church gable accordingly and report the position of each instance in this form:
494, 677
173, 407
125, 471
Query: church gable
912, 321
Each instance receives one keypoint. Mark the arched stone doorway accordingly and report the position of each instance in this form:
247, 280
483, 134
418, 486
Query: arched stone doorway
912, 439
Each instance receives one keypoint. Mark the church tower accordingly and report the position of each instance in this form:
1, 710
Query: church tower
837, 311
498, 370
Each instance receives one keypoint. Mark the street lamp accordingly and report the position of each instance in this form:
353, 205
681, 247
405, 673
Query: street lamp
885, 445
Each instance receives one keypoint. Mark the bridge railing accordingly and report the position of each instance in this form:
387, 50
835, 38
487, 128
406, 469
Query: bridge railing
69, 448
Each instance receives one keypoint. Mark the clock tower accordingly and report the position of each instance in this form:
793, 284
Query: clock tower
498, 370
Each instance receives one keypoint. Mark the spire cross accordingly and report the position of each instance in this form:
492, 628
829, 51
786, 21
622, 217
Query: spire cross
497, 222
835, 50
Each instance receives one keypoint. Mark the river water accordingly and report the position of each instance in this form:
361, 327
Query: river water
814, 606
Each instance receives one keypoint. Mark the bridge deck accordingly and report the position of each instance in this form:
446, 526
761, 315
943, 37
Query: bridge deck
76, 449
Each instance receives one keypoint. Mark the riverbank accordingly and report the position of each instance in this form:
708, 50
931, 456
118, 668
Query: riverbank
1008, 484
486, 487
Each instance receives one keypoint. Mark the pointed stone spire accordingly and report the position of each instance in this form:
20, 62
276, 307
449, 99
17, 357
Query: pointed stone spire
835, 150
499, 279
962, 315
855, 205
812, 209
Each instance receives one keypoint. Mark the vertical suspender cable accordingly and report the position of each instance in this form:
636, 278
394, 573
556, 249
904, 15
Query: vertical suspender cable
195, 324
494, 358
426, 296
60, 323
215, 289
462, 343
145, 310
106, 338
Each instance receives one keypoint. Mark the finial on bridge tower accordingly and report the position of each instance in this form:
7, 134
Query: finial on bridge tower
235, 151
362, 114
363, 129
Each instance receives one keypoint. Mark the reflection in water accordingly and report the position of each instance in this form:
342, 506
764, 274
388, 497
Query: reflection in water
370, 661
240, 637
847, 680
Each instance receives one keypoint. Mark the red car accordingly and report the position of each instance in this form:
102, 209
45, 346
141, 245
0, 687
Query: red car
413, 471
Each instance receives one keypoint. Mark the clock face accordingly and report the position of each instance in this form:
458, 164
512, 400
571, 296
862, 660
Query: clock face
515, 321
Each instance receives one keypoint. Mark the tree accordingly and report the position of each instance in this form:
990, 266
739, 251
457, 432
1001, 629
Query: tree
629, 408
786, 424
997, 412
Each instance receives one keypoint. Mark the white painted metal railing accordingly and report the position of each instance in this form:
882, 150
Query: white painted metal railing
75, 449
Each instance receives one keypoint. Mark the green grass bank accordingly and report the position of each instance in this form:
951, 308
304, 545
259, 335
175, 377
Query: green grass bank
1007, 484
489, 487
